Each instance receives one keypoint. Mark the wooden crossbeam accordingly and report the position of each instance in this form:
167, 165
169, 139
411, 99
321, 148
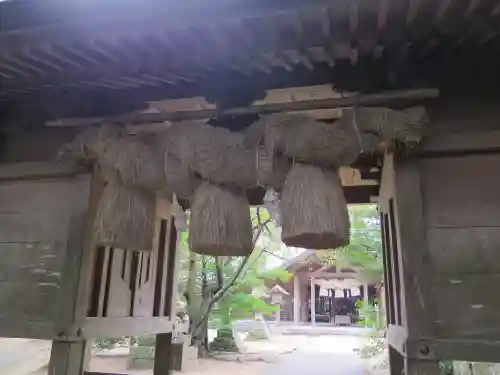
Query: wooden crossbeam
307, 105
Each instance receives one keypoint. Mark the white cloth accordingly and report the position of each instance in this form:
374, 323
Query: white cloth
272, 205
355, 292
179, 216
337, 283
323, 292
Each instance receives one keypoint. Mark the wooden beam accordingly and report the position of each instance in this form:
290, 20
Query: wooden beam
462, 143
163, 354
332, 275
42, 170
307, 105
130, 326
466, 350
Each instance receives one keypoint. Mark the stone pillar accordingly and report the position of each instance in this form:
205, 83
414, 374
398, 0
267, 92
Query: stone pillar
313, 301
278, 314
365, 293
297, 300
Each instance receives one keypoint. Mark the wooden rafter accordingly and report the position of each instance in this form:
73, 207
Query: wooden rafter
331, 103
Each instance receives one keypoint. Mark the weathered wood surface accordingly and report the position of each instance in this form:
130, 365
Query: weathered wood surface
462, 217
296, 106
35, 219
131, 326
467, 306
462, 191
467, 350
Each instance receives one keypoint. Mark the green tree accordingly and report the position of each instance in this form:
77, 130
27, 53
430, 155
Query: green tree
220, 287
364, 252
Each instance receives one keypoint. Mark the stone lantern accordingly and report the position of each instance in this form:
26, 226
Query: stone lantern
277, 293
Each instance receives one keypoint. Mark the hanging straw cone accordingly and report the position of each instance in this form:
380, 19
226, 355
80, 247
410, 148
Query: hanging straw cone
220, 222
125, 218
314, 209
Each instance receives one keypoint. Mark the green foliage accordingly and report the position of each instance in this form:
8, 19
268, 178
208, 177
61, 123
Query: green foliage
364, 253
110, 343
243, 299
446, 367
374, 347
225, 288
238, 305
369, 315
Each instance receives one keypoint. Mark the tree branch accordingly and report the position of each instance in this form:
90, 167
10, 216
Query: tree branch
221, 292
217, 296
274, 255
218, 270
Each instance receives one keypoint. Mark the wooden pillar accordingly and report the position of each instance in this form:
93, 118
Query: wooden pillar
163, 353
313, 301
297, 300
163, 348
67, 358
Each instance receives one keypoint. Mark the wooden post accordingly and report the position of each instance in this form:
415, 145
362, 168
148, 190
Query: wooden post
163, 347
412, 262
297, 301
313, 301
67, 358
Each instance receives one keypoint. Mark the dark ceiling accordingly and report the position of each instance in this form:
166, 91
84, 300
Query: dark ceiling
90, 58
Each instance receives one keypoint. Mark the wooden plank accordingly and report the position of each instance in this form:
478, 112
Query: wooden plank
467, 307
33, 197
39, 170
172, 262
419, 367
67, 358
462, 142
415, 268
28, 327
467, 350
395, 260
163, 354
37, 145
457, 251
396, 362
21, 227
461, 191
332, 275
73, 259
386, 183
388, 281
145, 286
29, 301
119, 300
87, 262
30, 261
130, 326
307, 105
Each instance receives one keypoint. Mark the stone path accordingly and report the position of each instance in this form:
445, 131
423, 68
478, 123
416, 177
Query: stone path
288, 355
22, 356
320, 355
